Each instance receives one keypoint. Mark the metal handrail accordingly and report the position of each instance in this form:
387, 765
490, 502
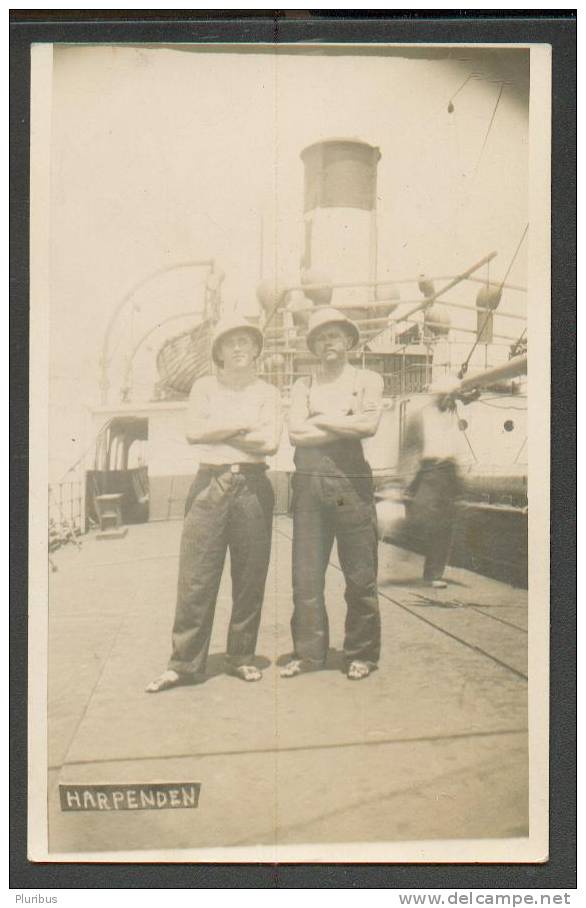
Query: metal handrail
505, 313
104, 356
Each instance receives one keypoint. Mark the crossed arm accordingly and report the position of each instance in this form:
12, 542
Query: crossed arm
238, 430
265, 436
323, 428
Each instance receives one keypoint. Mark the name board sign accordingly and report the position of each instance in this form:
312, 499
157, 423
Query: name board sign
158, 796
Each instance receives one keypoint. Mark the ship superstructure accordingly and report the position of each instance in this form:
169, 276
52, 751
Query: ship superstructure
413, 330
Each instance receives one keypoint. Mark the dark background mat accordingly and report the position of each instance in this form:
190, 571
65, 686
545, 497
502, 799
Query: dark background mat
458, 26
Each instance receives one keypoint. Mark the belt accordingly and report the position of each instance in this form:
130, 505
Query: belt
233, 467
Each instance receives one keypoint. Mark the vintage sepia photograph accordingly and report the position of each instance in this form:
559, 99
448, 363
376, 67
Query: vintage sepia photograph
294, 489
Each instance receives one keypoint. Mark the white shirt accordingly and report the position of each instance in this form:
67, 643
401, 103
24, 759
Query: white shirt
258, 403
440, 432
349, 393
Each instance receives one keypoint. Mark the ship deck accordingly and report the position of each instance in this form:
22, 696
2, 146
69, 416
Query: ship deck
431, 746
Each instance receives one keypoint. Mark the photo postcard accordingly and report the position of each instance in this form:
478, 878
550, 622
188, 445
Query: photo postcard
289, 524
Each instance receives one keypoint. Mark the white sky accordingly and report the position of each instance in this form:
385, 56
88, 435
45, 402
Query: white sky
161, 156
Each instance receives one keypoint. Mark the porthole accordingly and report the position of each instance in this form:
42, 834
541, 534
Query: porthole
508, 425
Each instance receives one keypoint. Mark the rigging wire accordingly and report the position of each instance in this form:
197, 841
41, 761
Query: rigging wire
511, 263
520, 450
465, 434
489, 127
86, 452
464, 366
458, 90
505, 408
501, 397
515, 346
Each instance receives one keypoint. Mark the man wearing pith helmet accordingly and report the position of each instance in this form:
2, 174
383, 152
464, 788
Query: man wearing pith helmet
234, 420
331, 413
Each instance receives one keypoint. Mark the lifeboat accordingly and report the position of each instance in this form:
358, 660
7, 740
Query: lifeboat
184, 358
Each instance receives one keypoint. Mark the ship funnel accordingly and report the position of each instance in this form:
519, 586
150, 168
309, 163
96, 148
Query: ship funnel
340, 217
340, 173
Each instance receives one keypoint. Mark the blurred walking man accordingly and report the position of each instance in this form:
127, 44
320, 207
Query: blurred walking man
234, 418
333, 499
431, 437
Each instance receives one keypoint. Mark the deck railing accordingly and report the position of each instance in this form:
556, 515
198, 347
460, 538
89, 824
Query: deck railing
414, 378
66, 504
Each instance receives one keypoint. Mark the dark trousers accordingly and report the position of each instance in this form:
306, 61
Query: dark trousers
434, 491
327, 508
223, 511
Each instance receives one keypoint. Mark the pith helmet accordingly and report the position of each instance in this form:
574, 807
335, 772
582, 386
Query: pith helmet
226, 326
330, 316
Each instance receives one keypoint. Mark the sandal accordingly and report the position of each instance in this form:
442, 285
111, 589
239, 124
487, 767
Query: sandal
246, 672
166, 681
298, 667
291, 669
358, 670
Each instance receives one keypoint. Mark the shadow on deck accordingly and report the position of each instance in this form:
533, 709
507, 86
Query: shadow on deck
431, 746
